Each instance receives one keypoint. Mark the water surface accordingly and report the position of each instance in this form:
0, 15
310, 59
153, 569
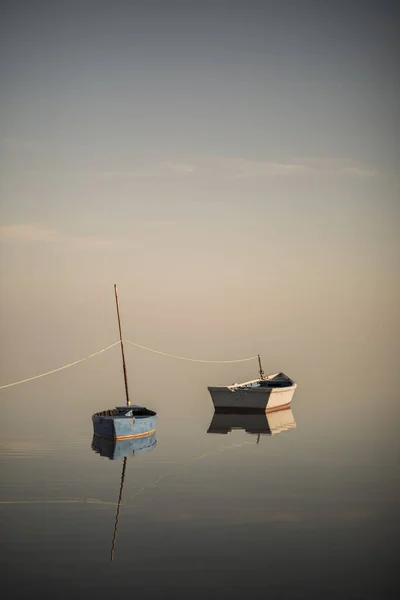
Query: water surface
306, 509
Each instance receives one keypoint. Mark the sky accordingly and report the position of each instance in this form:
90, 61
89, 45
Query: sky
233, 166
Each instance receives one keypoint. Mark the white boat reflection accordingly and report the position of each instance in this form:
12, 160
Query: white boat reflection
253, 423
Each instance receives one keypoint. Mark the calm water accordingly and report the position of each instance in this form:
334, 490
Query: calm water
307, 512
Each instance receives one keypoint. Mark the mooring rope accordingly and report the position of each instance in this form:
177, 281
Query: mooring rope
60, 368
199, 360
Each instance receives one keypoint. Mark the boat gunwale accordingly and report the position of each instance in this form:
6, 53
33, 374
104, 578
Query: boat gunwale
253, 390
114, 413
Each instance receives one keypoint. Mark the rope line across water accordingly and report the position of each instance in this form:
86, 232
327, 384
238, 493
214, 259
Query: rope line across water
59, 368
199, 360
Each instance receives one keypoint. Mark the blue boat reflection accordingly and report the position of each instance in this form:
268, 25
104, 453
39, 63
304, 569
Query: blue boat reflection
115, 450
253, 423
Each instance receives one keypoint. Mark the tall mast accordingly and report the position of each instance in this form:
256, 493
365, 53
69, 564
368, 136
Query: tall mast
261, 369
122, 346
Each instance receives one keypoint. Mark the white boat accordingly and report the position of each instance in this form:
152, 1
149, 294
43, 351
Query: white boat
267, 393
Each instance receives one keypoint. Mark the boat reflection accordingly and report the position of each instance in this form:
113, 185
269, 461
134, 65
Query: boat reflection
253, 423
114, 450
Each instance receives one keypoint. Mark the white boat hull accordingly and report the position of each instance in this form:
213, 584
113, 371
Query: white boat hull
265, 399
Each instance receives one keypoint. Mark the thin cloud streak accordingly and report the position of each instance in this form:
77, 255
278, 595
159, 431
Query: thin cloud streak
221, 167
31, 233
36, 233
240, 168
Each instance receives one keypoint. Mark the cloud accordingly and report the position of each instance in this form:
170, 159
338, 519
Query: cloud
181, 168
359, 172
338, 166
35, 233
300, 167
168, 168
219, 167
240, 168
228, 168
32, 233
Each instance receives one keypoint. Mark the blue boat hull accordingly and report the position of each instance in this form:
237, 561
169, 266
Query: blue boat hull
124, 423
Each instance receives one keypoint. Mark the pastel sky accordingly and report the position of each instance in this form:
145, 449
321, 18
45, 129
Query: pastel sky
213, 158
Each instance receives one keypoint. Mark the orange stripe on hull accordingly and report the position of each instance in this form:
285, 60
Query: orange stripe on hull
276, 408
127, 437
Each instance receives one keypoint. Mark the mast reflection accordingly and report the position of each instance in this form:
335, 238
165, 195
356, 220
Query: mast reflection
115, 450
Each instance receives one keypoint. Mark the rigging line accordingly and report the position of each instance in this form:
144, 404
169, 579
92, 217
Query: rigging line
60, 368
190, 359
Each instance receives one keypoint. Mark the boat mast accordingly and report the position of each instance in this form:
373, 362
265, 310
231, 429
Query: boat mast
122, 347
118, 509
261, 369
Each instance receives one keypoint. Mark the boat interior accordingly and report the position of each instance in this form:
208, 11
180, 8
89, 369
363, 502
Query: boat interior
272, 381
126, 411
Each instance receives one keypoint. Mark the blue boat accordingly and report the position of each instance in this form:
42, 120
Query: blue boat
128, 422
114, 449
124, 423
